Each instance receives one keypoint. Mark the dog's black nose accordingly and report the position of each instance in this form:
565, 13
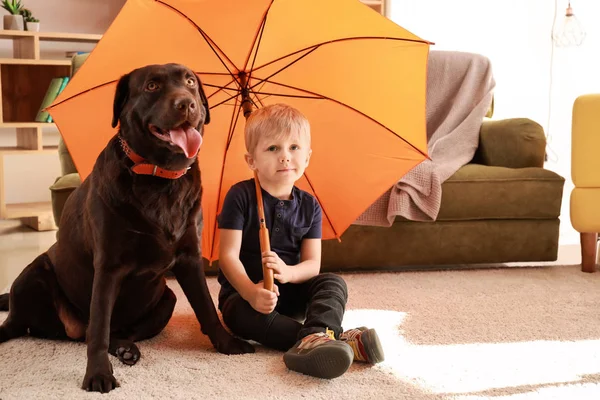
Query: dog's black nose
186, 104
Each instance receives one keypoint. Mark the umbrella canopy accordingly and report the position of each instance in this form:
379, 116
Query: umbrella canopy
359, 78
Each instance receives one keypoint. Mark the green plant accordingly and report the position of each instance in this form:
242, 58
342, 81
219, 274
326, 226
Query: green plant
12, 6
27, 16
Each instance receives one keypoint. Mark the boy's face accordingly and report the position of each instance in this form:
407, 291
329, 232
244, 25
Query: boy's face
280, 161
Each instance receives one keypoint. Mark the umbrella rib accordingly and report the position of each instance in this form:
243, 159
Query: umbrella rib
257, 38
222, 88
290, 95
214, 73
225, 101
260, 101
208, 40
314, 46
352, 108
254, 102
321, 204
234, 119
226, 89
285, 66
234, 122
256, 94
84, 92
115, 80
267, 94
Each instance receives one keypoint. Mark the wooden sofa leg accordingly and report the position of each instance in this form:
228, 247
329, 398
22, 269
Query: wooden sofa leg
589, 245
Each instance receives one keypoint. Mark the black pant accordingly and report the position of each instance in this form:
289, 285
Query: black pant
320, 302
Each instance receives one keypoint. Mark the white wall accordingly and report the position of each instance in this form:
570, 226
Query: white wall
27, 178
516, 36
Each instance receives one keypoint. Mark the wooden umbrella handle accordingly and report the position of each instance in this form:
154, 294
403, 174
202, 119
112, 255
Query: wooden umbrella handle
263, 232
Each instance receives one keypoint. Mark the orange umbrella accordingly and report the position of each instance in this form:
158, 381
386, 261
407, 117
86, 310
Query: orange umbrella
358, 78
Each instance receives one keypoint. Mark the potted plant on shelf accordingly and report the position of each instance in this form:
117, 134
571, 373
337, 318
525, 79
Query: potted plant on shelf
14, 21
31, 23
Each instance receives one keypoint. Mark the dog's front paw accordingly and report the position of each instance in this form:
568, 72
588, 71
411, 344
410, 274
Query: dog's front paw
227, 344
99, 381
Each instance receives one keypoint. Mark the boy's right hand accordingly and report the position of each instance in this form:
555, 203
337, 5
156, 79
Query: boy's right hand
263, 300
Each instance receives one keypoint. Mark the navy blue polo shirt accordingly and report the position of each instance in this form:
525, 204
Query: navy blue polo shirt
288, 222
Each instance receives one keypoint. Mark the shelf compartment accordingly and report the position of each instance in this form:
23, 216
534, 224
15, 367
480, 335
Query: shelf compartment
29, 138
24, 88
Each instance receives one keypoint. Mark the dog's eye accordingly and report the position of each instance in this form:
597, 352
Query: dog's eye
191, 82
151, 86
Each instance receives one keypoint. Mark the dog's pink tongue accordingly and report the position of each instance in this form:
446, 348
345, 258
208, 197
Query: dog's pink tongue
189, 139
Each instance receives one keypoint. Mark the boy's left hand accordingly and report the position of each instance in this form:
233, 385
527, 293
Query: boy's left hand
282, 272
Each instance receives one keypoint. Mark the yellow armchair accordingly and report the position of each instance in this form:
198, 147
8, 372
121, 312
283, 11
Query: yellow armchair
585, 172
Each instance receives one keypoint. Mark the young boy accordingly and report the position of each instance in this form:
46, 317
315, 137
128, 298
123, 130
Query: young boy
278, 146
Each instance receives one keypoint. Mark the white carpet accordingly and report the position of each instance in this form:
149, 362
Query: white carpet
518, 333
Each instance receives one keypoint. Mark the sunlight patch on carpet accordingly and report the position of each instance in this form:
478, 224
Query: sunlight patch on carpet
550, 369
468, 368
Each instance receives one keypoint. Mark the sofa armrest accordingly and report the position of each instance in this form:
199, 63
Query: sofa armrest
60, 192
511, 143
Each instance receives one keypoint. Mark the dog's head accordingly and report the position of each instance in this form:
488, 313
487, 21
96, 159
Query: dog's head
162, 110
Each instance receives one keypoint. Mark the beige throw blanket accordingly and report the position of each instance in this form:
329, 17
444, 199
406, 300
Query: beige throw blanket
459, 93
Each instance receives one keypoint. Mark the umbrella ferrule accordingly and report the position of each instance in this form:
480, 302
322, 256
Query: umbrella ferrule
245, 92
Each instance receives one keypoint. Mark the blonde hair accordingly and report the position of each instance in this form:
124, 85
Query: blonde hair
275, 121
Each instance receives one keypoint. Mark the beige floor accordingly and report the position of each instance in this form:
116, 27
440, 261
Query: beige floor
19, 245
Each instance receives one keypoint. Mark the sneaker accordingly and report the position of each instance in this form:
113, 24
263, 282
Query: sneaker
319, 355
365, 344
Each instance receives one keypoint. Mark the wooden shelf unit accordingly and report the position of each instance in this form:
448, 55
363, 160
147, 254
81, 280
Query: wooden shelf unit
24, 79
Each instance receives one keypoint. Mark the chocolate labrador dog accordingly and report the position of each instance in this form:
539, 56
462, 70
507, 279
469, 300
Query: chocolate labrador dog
134, 218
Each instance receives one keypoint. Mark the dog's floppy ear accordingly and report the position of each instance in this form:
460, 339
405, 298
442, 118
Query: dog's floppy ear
204, 101
121, 96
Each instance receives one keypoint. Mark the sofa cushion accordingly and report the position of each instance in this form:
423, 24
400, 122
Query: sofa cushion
477, 192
